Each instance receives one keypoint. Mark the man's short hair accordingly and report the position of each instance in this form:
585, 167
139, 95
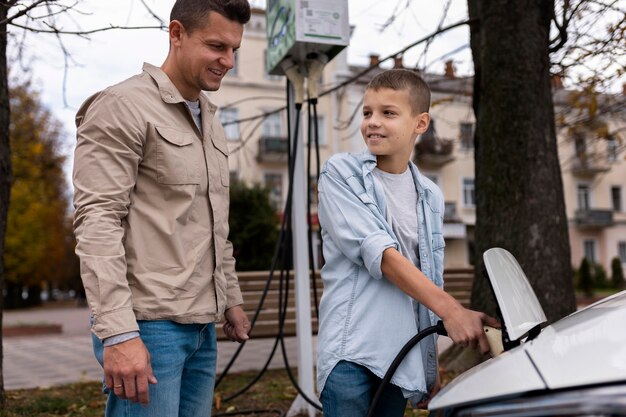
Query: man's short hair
192, 14
403, 79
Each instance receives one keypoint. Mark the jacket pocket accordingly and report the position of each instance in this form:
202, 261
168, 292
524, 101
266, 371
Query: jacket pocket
177, 159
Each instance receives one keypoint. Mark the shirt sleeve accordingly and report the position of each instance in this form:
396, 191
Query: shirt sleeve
108, 152
347, 217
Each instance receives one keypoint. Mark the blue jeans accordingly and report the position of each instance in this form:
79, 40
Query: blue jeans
350, 388
183, 358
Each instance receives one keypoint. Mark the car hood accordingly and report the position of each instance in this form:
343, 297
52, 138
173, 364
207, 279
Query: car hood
585, 348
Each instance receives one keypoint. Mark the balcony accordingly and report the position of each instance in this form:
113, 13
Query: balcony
273, 149
585, 166
450, 215
433, 151
453, 227
593, 218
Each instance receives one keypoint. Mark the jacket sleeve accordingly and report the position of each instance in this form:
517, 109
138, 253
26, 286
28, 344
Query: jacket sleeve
109, 146
233, 292
347, 214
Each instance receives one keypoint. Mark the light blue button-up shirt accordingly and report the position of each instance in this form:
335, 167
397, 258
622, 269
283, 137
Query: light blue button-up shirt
364, 318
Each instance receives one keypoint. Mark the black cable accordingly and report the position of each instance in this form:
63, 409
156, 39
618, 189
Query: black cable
277, 252
286, 262
437, 328
309, 203
317, 178
283, 305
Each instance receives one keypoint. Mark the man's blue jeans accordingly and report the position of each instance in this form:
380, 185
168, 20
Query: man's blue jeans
183, 359
350, 388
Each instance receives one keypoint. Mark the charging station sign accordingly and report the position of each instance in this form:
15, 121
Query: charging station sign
296, 28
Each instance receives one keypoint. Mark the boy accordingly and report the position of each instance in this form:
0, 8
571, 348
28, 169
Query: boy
383, 245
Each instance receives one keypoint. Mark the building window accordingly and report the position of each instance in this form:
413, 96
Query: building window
616, 198
229, 117
273, 126
468, 192
583, 197
590, 250
621, 248
580, 146
611, 148
234, 70
467, 135
274, 182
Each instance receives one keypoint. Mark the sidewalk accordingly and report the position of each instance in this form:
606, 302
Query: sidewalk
47, 360
43, 361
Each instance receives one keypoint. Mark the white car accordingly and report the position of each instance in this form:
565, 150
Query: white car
573, 367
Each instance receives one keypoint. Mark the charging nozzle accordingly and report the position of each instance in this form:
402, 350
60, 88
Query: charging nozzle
315, 65
292, 71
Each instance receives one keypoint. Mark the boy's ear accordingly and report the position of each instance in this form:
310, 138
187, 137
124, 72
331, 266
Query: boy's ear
423, 120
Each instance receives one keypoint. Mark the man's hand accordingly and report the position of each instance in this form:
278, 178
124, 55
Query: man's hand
237, 324
466, 327
127, 370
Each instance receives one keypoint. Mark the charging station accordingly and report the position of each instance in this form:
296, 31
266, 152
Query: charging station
303, 36
298, 28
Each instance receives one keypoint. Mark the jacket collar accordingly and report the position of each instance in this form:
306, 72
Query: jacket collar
168, 91
369, 163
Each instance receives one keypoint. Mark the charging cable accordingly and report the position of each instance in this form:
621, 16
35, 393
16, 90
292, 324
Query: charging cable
292, 71
437, 328
315, 65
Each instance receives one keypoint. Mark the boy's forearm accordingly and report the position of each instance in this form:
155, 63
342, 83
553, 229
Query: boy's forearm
406, 276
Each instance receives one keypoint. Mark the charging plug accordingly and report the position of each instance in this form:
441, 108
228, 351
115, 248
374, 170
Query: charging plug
494, 337
315, 65
296, 78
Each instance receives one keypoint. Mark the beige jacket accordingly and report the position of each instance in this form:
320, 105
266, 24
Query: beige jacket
151, 244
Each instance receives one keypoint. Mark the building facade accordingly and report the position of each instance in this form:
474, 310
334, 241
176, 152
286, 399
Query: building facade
592, 154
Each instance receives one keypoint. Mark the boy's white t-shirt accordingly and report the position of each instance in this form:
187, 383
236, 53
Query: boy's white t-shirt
401, 198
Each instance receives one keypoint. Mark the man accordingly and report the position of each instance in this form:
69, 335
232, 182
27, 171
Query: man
151, 184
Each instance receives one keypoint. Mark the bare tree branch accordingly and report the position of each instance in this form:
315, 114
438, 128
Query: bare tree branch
86, 32
23, 12
154, 15
368, 69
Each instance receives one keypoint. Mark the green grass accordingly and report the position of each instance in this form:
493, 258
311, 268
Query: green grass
273, 391
83, 399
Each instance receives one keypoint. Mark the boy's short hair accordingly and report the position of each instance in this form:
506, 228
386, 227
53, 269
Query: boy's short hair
403, 79
192, 14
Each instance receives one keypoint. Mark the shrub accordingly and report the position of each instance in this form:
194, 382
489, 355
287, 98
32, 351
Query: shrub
585, 279
600, 279
617, 274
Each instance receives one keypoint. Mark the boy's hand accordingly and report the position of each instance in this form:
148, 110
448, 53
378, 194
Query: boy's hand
465, 327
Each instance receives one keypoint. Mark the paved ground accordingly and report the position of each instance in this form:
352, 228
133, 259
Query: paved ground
41, 361
46, 360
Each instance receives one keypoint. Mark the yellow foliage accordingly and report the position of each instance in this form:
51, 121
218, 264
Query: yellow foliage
37, 236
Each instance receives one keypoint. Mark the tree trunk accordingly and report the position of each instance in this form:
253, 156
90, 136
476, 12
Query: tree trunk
13, 297
519, 190
5, 165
